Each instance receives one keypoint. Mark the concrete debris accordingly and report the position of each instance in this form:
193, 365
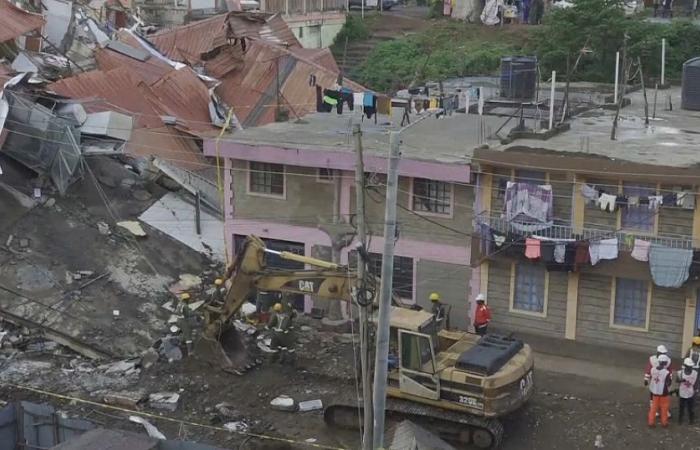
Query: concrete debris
42, 346
81, 366
237, 427
174, 329
166, 401
170, 349
9, 240
174, 318
141, 195
50, 202
186, 283
283, 403
248, 309
103, 228
24, 243
126, 399
132, 227
310, 405
149, 358
115, 314
245, 327
150, 428
227, 410
305, 328
194, 306
311, 440
599, 441
120, 367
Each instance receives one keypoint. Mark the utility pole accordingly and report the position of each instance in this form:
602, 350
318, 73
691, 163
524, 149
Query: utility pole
383, 321
364, 312
625, 79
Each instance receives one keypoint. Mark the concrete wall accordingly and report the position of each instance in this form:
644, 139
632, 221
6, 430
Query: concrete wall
498, 297
316, 30
415, 227
665, 318
307, 200
451, 281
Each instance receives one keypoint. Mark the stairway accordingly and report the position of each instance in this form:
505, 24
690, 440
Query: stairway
351, 59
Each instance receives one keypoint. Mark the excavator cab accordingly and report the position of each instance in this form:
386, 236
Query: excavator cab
418, 374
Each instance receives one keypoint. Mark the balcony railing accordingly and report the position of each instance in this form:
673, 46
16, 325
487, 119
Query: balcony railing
563, 232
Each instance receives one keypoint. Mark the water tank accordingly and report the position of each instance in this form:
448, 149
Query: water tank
518, 77
690, 94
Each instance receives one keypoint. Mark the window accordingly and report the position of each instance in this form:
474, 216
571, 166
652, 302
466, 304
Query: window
325, 175
630, 303
416, 353
529, 288
432, 196
266, 179
641, 218
402, 283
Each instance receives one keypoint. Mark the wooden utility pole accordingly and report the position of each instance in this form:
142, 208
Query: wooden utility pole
364, 312
625, 79
383, 320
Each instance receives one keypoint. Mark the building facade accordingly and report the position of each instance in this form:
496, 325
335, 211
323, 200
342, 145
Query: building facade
616, 302
292, 194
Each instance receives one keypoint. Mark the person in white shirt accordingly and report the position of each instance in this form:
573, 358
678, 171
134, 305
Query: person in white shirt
687, 378
659, 383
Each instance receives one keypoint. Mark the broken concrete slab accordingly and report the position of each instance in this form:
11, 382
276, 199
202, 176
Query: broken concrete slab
132, 227
228, 411
127, 399
310, 405
186, 283
103, 228
150, 428
283, 403
166, 401
120, 367
237, 427
149, 358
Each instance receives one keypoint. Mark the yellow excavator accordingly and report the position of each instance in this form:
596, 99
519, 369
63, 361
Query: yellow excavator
455, 383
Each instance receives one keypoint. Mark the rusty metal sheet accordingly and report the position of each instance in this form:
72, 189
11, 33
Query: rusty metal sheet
15, 22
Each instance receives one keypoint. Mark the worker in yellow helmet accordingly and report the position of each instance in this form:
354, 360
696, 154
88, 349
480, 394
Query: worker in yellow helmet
282, 335
438, 309
694, 352
219, 291
185, 297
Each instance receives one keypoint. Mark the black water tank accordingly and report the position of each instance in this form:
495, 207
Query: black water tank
518, 77
690, 94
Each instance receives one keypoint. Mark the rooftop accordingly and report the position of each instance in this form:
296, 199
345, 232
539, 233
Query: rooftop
672, 139
15, 22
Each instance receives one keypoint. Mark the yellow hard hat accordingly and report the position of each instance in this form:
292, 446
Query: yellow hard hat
434, 297
277, 307
696, 340
218, 282
184, 296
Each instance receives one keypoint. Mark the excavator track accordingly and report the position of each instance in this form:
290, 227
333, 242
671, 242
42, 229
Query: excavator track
462, 430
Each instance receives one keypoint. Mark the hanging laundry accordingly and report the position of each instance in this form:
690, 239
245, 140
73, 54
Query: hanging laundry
369, 104
603, 249
532, 248
629, 241
321, 106
589, 193
486, 241
640, 252
498, 239
333, 98
529, 203
547, 251
620, 201
670, 267
384, 105
607, 202
467, 100
686, 200
582, 255
570, 254
669, 199
559, 252
433, 103
633, 201
643, 201
655, 201
348, 97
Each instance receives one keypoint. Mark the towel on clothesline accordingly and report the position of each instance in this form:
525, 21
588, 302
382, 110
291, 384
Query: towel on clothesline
640, 252
532, 248
603, 249
559, 252
685, 200
655, 201
670, 267
607, 202
589, 193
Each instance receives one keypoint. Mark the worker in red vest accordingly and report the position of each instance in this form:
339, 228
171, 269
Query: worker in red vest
659, 384
482, 315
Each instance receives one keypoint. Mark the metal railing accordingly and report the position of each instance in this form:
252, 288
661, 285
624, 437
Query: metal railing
566, 231
288, 7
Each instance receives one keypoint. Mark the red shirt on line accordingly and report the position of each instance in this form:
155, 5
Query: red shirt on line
482, 315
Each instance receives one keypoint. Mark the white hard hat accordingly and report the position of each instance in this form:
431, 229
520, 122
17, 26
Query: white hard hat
688, 362
661, 349
664, 359
480, 297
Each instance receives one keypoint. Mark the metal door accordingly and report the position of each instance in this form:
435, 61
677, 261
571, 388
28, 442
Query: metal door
417, 370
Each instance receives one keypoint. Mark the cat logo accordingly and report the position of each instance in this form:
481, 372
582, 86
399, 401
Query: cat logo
306, 286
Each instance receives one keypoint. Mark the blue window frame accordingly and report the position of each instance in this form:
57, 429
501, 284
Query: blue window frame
529, 288
630, 308
639, 218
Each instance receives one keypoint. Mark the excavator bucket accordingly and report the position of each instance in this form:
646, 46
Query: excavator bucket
230, 351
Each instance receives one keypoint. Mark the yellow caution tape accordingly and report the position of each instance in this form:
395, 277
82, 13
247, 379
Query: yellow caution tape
166, 418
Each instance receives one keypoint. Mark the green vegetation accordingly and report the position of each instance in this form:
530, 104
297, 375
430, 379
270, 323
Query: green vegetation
354, 29
448, 49
600, 27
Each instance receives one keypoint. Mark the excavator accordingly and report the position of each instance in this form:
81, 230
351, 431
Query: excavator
455, 383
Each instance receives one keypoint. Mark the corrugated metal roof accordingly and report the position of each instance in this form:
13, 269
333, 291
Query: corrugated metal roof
15, 22
229, 58
189, 43
321, 56
168, 144
150, 70
183, 95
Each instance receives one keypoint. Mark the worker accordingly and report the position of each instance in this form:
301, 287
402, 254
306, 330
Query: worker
438, 308
482, 315
219, 291
185, 323
659, 384
653, 361
282, 335
694, 352
687, 378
